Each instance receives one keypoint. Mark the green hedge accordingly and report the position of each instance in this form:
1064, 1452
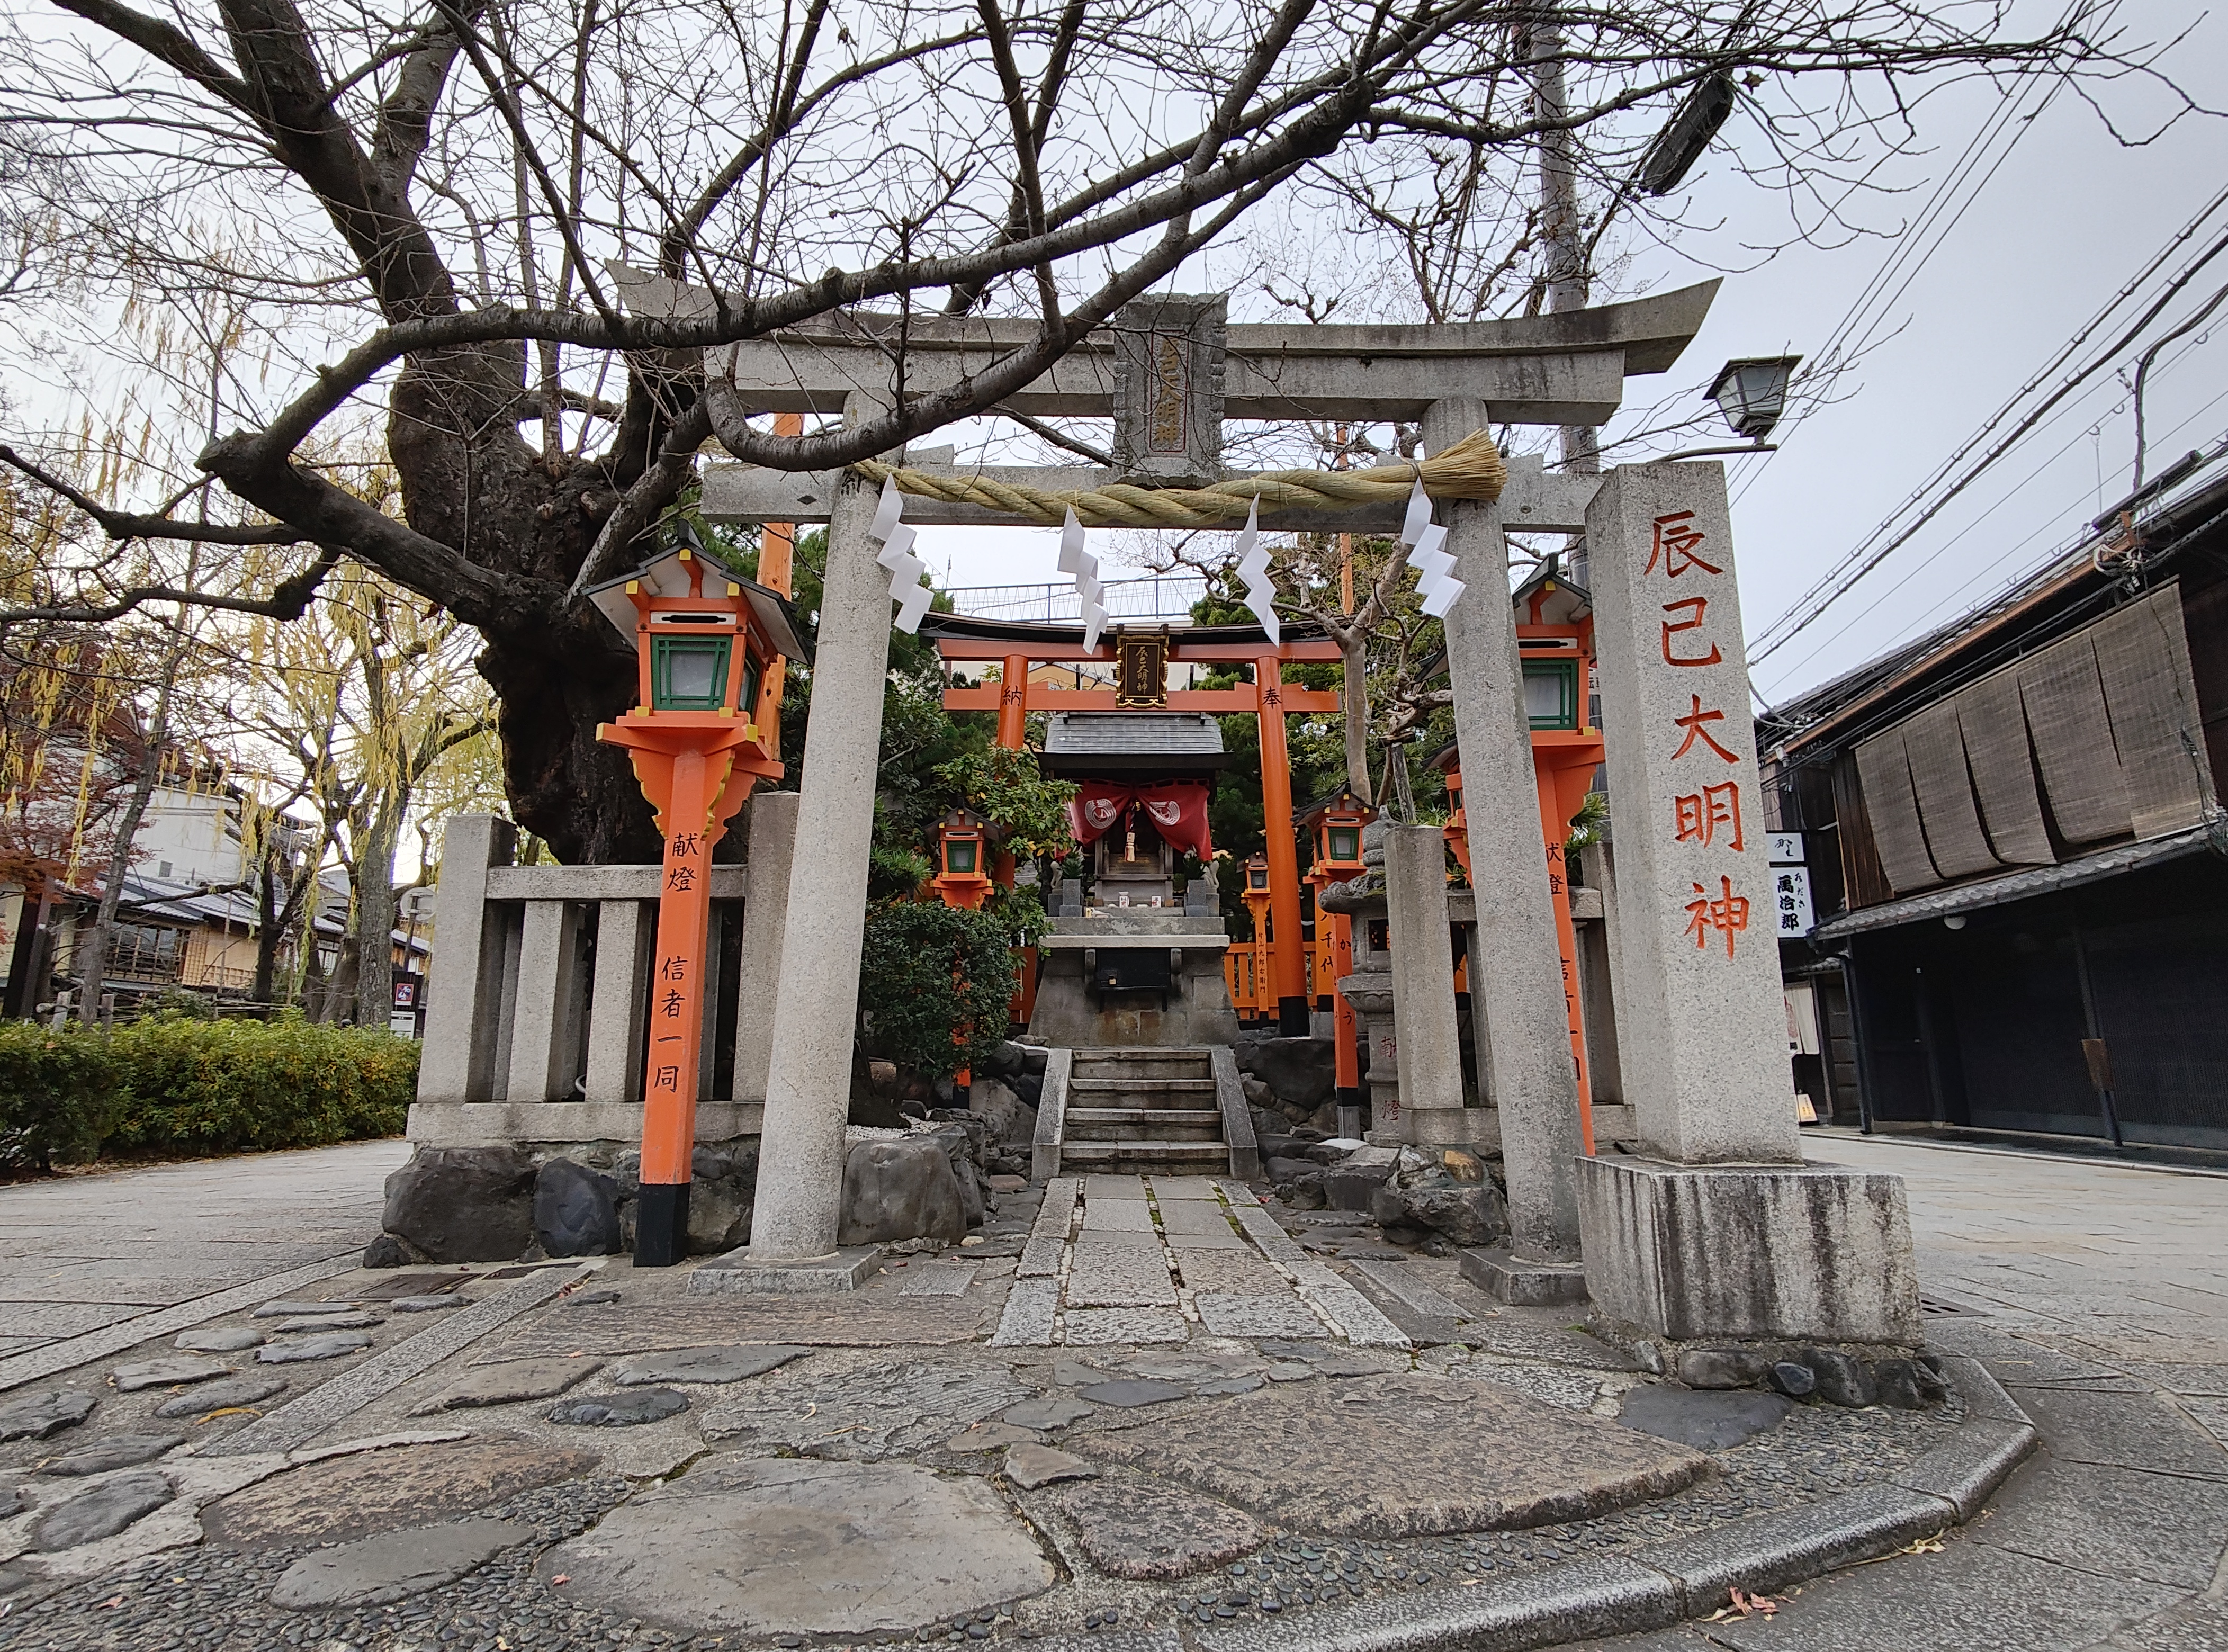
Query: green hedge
173, 1084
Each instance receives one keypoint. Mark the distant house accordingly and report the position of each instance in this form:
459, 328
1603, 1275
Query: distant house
189, 917
2015, 851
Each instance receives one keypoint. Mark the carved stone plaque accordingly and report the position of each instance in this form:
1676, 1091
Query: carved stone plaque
1168, 388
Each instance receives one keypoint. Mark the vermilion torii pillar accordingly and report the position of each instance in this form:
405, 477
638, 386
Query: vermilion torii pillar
1288, 958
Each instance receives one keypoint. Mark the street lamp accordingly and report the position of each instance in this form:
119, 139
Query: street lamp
703, 639
1751, 393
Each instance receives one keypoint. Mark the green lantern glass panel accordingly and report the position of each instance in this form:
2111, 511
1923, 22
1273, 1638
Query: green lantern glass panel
1345, 843
689, 673
1551, 693
753, 677
959, 855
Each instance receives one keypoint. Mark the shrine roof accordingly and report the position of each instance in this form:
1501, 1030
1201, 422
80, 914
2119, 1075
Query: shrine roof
1172, 743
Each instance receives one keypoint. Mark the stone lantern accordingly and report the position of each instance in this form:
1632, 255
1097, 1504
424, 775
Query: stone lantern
703, 639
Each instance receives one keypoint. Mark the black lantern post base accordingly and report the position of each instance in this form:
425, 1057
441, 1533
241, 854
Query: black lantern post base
661, 1225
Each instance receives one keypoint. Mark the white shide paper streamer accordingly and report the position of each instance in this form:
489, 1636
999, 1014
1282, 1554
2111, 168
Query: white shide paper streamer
908, 583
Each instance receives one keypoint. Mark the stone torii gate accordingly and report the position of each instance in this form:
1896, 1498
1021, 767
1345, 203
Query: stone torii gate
1169, 372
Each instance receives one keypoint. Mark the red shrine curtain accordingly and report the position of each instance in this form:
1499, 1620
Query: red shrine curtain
1176, 808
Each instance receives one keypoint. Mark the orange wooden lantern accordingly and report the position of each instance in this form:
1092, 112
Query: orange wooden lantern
705, 640
962, 852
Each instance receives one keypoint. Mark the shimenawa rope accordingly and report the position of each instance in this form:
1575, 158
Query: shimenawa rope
1470, 469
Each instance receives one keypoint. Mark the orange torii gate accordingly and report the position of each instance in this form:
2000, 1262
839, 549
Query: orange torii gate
1018, 649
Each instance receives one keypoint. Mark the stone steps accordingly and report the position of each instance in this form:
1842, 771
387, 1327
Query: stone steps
1173, 1158
1159, 1123
1142, 1092
1144, 1109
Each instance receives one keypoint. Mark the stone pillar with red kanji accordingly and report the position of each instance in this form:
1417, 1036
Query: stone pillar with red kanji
1715, 1230
1710, 1081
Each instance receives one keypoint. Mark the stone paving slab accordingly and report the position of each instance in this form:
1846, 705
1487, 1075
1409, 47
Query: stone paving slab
1183, 1187
1403, 1456
1135, 1526
1101, 1326
1112, 1277
347, 1498
1224, 1240
1283, 1315
1117, 1216
1232, 1273
938, 1278
1194, 1216
776, 1546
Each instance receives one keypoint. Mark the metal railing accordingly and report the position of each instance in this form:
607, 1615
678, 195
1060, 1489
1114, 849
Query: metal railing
1159, 596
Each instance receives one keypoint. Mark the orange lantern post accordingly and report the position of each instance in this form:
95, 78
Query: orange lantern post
1257, 897
1338, 860
703, 654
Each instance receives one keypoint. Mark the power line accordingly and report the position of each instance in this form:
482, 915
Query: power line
1863, 558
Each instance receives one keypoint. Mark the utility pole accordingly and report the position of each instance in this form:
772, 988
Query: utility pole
1563, 231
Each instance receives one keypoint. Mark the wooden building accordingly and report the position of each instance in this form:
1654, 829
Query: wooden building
2014, 847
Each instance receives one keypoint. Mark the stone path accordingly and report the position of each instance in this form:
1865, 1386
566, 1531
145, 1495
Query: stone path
2098, 1295
1144, 1260
1158, 1407
83, 1254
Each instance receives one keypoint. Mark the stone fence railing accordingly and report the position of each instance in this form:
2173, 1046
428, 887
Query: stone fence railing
542, 989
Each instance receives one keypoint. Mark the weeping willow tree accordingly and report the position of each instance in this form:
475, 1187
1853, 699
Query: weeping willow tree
343, 718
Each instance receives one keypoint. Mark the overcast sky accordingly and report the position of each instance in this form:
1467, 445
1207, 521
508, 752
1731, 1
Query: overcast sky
2069, 214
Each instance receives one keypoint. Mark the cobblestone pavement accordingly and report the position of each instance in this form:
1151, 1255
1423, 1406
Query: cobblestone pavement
2098, 1295
1125, 1403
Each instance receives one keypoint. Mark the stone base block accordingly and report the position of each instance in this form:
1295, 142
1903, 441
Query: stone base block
739, 1273
1764, 1252
1511, 1280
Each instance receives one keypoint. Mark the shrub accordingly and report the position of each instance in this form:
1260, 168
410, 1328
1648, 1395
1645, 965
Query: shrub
929, 976
58, 1094
198, 1086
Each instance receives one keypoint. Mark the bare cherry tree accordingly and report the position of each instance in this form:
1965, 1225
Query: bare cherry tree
419, 206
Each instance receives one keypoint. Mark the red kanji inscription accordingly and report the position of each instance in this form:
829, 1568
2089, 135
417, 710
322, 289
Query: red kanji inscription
1726, 914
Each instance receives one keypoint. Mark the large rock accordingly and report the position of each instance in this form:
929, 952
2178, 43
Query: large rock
463, 1203
723, 1184
901, 1190
1015, 1121
576, 1210
43, 1413
1302, 1070
1468, 1214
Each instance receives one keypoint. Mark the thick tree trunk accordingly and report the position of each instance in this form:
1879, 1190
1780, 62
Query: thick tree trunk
1355, 656
468, 480
577, 794
375, 913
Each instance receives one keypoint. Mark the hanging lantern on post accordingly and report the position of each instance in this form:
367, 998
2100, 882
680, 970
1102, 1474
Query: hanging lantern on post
702, 639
